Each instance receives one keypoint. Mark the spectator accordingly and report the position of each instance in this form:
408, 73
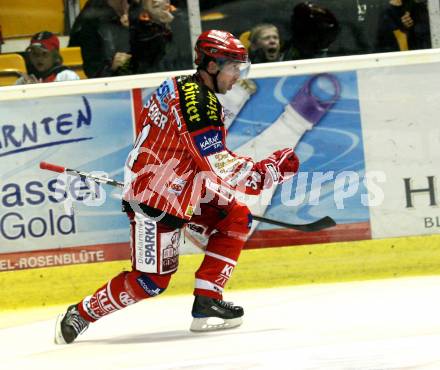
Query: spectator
149, 33
101, 30
404, 25
44, 62
265, 44
313, 29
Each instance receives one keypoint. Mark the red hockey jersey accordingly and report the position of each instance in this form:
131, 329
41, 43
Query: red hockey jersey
181, 149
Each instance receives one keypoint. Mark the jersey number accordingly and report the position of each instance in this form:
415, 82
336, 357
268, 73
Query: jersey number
137, 145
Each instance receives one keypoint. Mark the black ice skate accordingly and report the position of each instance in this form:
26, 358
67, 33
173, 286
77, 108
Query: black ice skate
211, 314
69, 325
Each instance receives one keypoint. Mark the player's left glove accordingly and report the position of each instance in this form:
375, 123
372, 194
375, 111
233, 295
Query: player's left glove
279, 167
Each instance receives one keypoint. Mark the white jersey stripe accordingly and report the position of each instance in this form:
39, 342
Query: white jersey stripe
220, 257
207, 285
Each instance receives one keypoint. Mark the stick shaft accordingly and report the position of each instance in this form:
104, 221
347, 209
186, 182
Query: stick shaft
322, 223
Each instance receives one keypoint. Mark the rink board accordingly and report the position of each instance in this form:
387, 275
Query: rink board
375, 144
258, 268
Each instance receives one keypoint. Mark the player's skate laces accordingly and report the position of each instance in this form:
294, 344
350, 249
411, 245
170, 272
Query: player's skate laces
214, 314
69, 325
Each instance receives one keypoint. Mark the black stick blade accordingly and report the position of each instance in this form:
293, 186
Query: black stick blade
323, 223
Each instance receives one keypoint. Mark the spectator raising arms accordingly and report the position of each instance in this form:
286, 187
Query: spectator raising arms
265, 44
149, 33
101, 30
44, 62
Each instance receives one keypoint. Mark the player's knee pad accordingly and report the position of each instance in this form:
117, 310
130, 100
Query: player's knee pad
238, 221
144, 285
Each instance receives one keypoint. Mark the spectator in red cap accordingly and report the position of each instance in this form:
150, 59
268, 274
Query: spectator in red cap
44, 62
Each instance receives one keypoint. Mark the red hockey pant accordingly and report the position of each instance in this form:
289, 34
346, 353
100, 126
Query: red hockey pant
154, 249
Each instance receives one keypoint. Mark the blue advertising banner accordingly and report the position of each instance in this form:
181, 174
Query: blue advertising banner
50, 220
322, 113
40, 210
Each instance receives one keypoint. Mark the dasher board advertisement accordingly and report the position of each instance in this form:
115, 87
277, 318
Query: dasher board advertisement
400, 113
366, 142
48, 211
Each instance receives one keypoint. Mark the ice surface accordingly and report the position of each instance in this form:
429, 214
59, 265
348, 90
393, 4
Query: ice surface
375, 325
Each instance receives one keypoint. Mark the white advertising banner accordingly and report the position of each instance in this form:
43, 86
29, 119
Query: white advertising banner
400, 111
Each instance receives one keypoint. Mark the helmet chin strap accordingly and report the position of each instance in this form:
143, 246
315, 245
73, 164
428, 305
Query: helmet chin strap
214, 80
204, 66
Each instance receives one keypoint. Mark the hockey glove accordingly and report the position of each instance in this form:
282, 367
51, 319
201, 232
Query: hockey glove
279, 167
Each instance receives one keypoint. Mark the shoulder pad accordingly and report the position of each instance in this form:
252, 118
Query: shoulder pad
199, 105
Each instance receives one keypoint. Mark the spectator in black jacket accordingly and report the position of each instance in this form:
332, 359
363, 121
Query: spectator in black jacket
101, 30
149, 33
404, 25
313, 29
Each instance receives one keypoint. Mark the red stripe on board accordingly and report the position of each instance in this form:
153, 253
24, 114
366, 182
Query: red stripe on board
121, 251
137, 107
286, 237
64, 256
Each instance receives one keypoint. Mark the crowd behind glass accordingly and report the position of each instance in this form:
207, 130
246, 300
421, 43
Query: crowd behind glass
121, 37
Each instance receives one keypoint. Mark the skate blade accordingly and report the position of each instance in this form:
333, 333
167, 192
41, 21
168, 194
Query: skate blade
214, 324
59, 339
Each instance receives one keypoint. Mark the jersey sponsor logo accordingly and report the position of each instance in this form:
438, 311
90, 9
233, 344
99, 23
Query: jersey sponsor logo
227, 270
157, 117
199, 106
240, 171
224, 276
100, 304
190, 95
189, 211
198, 234
145, 240
209, 142
149, 286
86, 306
199, 229
164, 95
176, 186
213, 109
221, 191
150, 243
223, 162
169, 245
125, 299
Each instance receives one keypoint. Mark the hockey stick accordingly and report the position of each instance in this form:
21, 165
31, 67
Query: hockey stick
322, 223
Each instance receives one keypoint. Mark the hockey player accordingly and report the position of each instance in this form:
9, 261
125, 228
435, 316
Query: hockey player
180, 170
